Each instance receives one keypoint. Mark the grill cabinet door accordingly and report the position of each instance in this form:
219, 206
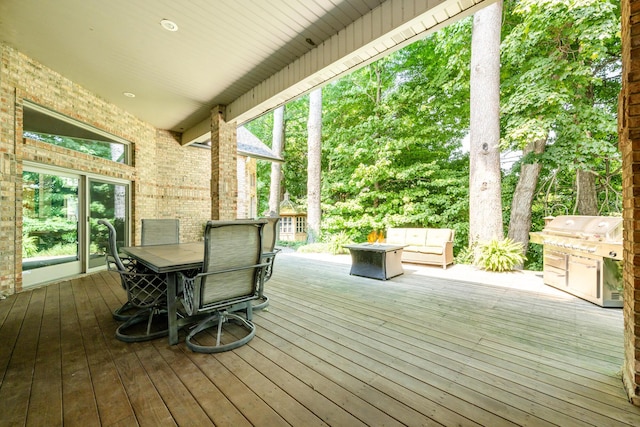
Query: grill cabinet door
555, 268
584, 277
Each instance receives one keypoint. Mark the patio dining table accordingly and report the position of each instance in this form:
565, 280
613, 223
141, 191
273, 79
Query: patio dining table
169, 259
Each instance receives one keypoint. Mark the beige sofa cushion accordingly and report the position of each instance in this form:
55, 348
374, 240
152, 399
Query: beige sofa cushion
424, 245
438, 237
395, 236
437, 250
415, 236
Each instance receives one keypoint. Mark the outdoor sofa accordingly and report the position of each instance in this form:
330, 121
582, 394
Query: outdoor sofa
424, 245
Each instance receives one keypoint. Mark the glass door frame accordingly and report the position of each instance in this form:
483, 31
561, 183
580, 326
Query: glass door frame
48, 274
42, 275
89, 178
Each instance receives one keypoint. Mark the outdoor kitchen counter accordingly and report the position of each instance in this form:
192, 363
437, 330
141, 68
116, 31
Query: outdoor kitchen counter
582, 256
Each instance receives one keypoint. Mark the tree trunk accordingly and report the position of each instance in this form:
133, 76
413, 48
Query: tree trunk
277, 145
520, 220
314, 156
485, 202
586, 200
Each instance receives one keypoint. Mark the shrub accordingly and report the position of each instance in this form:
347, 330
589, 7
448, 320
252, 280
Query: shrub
467, 254
289, 244
337, 241
499, 255
29, 246
333, 245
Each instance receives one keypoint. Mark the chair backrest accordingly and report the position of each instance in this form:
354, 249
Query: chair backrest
112, 249
233, 250
270, 233
160, 231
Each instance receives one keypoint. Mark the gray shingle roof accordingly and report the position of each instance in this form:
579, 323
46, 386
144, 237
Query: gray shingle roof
250, 145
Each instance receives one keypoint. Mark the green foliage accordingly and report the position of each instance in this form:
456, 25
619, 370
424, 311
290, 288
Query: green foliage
290, 244
50, 231
499, 255
337, 241
466, 255
534, 258
560, 79
393, 130
103, 149
29, 246
393, 135
262, 127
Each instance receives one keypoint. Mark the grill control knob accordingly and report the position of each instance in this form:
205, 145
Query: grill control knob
613, 254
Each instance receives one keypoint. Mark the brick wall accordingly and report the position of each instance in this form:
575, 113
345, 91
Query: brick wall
7, 180
181, 188
224, 178
168, 180
629, 133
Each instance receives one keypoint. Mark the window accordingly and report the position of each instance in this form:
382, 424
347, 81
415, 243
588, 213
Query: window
54, 128
286, 225
301, 224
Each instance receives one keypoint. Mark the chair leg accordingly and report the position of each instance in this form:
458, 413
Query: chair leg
128, 332
218, 319
221, 320
261, 303
125, 312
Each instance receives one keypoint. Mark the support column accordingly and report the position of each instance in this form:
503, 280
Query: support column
629, 134
224, 179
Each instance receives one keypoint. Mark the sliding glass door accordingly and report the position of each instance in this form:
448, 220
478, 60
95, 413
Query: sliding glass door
60, 232
109, 201
50, 226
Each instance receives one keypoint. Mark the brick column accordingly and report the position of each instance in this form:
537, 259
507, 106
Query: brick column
629, 134
224, 179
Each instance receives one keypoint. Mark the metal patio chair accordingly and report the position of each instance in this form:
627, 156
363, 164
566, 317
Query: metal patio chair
146, 296
160, 231
269, 251
148, 293
117, 262
232, 274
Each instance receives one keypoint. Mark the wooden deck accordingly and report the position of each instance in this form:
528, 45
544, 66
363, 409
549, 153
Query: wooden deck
332, 349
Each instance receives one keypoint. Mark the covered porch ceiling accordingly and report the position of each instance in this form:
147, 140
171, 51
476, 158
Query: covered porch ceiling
249, 55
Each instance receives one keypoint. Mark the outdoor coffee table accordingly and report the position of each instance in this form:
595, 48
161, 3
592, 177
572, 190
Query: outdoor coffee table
374, 260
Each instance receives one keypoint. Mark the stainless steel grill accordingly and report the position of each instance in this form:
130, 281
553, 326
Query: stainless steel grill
582, 256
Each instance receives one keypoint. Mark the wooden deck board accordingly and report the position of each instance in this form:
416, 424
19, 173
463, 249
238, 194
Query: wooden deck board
213, 402
18, 379
16, 308
416, 373
331, 349
272, 359
45, 403
435, 339
113, 401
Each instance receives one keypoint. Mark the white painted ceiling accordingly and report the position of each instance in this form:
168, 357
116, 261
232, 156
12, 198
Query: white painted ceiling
222, 51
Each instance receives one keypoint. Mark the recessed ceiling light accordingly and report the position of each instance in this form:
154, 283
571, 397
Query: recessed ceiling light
129, 94
169, 25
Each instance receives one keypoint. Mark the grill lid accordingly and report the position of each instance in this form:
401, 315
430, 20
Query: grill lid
593, 228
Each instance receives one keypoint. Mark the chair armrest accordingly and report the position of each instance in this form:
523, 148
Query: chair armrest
191, 288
